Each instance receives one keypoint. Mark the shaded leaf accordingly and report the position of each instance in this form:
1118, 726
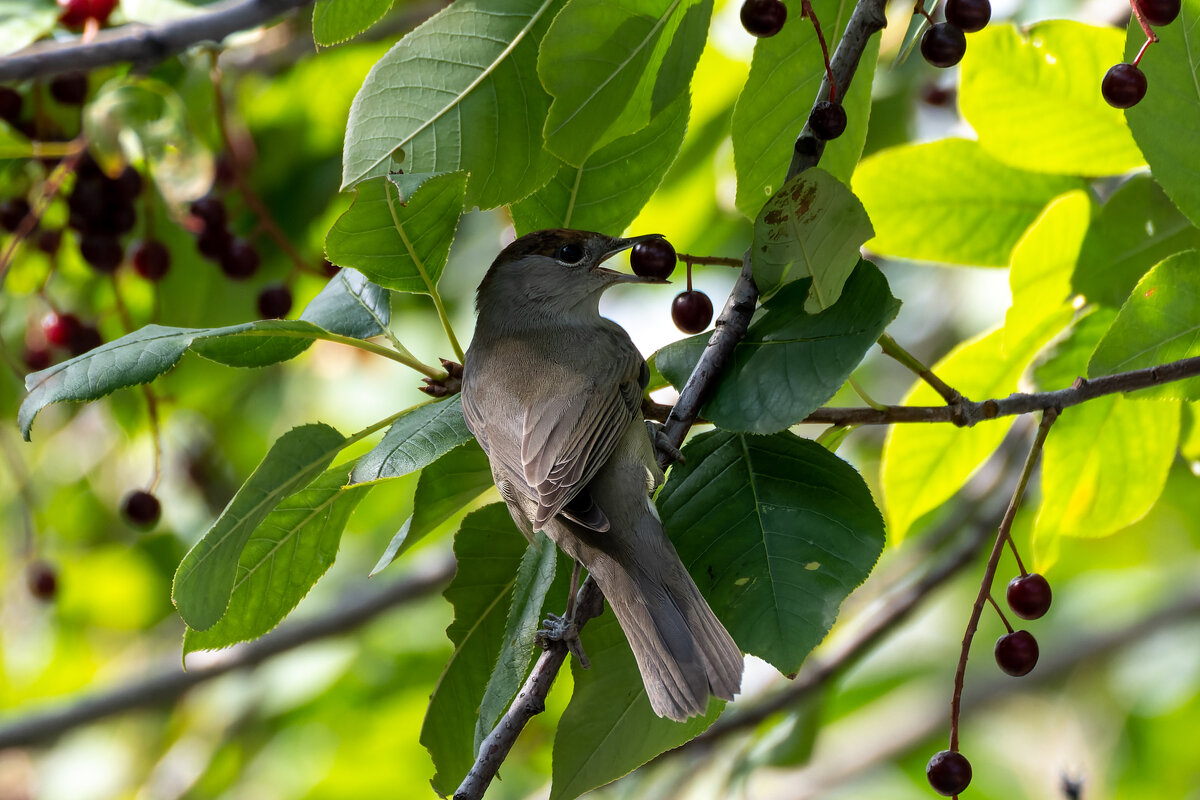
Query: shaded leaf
398, 234
350, 305
777, 531
337, 21
460, 92
789, 362
949, 201
423, 435
205, 577
285, 556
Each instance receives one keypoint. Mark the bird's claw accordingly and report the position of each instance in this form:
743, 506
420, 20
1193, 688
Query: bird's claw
451, 384
562, 629
662, 443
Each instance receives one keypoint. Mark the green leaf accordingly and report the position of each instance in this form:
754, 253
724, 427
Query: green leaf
148, 352
611, 66
777, 531
350, 305
1105, 461
21, 25
1164, 122
925, 465
1189, 438
608, 728
949, 201
337, 21
1042, 263
397, 244
205, 578
1159, 323
1033, 98
790, 362
534, 577
446, 488
766, 121
285, 556
606, 193
1138, 227
423, 435
812, 227
489, 551
460, 92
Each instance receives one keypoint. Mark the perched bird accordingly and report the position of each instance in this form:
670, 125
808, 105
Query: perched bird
553, 393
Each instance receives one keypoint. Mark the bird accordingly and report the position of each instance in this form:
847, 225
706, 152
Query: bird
552, 391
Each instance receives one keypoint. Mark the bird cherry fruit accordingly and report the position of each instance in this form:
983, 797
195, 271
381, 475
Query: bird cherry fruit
85, 338
1159, 12
691, 311
76, 13
1123, 86
13, 212
240, 261
69, 88
943, 45
763, 18
654, 258
968, 16
103, 251
141, 509
827, 120
1017, 653
41, 578
60, 329
10, 105
1029, 596
151, 259
949, 772
275, 301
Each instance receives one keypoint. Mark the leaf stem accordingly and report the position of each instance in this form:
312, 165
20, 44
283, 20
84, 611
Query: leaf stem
892, 348
429, 284
404, 358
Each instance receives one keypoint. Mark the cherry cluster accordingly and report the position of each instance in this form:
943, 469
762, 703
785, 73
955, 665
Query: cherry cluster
1016, 653
692, 310
102, 210
945, 43
1124, 85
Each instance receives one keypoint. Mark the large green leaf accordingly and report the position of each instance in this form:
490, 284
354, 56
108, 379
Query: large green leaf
398, 231
489, 550
949, 201
777, 531
445, 489
21, 25
336, 21
613, 65
350, 305
1032, 98
1160, 322
1165, 122
529, 595
206, 576
148, 352
418, 438
1105, 461
1138, 227
812, 227
608, 728
925, 465
460, 92
767, 119
607, 192
790, 362
285, 556
1042, 263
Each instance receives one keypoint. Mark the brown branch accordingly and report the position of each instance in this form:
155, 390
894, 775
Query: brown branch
168, 685
142, 44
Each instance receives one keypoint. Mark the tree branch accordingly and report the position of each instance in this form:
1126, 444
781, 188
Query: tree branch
141, 44
168, 685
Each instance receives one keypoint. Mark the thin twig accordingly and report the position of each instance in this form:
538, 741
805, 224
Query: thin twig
989, 574
721, 261
892, 348
168, 685
140, 44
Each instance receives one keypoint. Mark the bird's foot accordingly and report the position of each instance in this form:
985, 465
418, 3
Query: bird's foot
562, 629
451, 384
662, 443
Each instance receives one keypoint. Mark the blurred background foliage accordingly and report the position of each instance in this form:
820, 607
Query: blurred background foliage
1114, 705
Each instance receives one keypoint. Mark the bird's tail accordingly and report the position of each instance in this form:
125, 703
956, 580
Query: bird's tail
683, 651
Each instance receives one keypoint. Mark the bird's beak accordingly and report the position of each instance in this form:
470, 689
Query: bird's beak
619, 245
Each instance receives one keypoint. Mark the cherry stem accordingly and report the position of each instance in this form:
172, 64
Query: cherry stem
999, 611
1013, 546
989, 574
1149, 41
49, 190
156, 431
919, 8
710, 260
1151, 36
806, 10
689, 274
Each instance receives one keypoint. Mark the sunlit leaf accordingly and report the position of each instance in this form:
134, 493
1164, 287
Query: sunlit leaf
336, 21
418, 438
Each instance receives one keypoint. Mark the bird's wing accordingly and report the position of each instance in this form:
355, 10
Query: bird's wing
566, 440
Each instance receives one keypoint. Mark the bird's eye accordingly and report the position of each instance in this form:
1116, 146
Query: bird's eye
570, 254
